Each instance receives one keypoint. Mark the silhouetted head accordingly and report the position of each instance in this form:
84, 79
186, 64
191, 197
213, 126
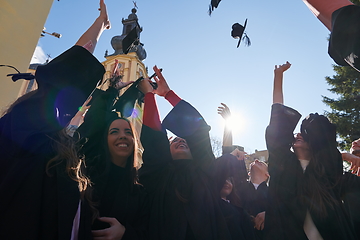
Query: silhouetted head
179, 149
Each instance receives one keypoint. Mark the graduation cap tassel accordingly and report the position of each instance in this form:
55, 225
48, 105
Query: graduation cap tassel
246, 40
210, 10
213, 4
10, 67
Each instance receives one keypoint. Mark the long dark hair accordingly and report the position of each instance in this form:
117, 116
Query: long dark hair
322, 175
67, 151
100, 162
64, 150
316, 188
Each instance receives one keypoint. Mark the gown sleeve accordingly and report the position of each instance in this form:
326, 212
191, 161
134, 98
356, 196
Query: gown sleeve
279, 138
156, 145
284, 170
345, 36
229, 166
186, 122
63, 86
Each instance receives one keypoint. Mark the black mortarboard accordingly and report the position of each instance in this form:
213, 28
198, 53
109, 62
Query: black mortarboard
131, 40
66, 73
19, 75
63, 86
214, 4
318, 131
238, 32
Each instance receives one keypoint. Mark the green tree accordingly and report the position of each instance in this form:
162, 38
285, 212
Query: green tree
345, 110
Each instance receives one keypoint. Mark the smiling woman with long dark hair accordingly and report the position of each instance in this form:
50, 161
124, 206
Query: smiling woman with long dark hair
119, 205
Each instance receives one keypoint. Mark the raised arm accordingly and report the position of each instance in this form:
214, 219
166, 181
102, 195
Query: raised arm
151, 116
163, 88
225, 113
184, 120
278, 82
90, 38
154, 140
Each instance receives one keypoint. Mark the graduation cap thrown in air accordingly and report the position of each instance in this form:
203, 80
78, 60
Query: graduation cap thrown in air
19, 75
131, 40
238, 32
214, 4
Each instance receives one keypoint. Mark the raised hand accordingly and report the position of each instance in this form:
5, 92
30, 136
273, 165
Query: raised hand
78, 119
103, 15
354, 160
114, 232
116, 79
240, 155
145, 86
278, 96
162, 86
224, 111
282, 68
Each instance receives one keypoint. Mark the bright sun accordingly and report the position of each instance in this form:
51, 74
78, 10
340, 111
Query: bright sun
235, 123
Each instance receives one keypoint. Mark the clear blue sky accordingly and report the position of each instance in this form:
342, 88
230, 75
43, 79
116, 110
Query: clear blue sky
201, 62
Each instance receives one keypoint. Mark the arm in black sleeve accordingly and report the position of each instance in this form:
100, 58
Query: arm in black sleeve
284, 169
96, 118
229, 166
186, 122
279, 137
156, 157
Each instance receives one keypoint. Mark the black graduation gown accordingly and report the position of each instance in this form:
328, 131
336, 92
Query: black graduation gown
286, 213
351, 195
228, 165
117, 199
34, 205
344, 42
252, 201
237, 220
198, 215
114, 192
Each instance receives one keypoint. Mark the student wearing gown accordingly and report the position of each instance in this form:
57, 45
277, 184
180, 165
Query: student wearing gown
254, 195
179, 175
237, 219
307, 186
121, 205
247, 195
39, 187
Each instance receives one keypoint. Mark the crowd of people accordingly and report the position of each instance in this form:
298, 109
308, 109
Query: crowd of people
79, 178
